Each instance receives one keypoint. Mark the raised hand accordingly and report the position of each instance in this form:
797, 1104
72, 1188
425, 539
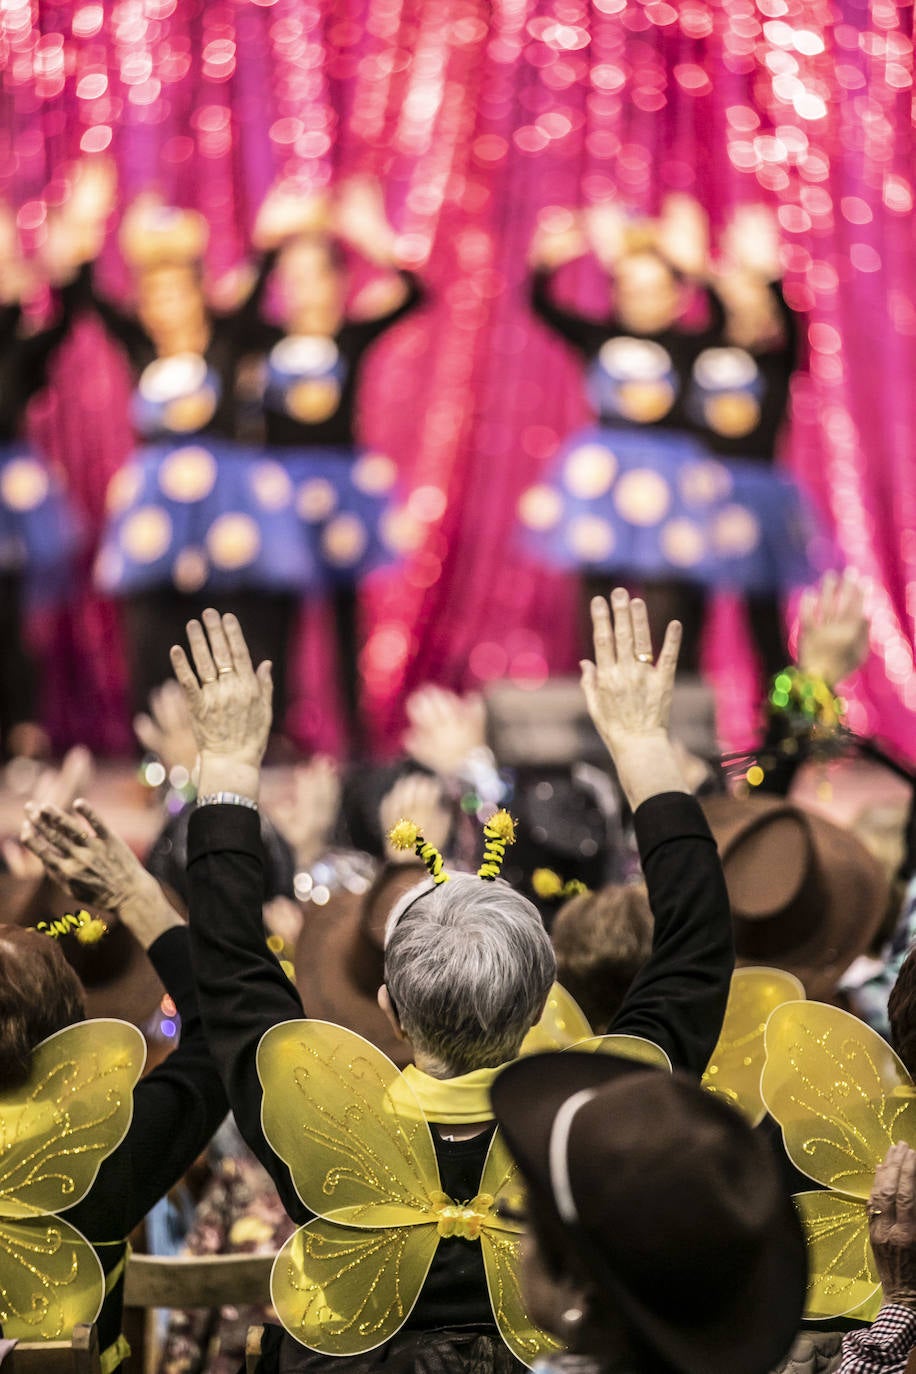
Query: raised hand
167, 730
308, 818
55, 787
629, 696
559, 238
96, 867
228, 701
444, 729
415, 798
833, 628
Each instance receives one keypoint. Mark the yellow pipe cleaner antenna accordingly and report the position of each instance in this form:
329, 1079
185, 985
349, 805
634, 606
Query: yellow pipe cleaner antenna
550, 886
406, 835
499, 832
87, 929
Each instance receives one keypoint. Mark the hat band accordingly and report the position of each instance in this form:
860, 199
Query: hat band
558, 1155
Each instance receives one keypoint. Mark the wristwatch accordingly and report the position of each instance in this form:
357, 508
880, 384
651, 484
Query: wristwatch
227, 799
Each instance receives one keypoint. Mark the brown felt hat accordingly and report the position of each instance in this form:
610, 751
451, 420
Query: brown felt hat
116, 975
806, 896
663, 1202
340, 958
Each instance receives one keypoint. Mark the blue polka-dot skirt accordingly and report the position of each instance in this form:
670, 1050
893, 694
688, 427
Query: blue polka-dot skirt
40, 531
656, 504
212, 515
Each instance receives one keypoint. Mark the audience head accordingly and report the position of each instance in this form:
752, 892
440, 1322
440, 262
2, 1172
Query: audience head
660, 1236
313, 275
901, 1011
39, 994
468, 966
647, 290
170, 296
601, 941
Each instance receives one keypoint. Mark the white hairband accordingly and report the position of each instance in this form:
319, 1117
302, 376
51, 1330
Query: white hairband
558, 1154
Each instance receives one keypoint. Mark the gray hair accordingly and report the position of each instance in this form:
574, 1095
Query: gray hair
468, 965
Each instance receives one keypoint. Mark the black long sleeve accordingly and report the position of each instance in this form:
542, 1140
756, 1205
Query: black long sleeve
241, 987
678, 999
585, 334
123, 327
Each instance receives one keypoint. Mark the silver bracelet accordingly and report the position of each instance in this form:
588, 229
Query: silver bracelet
227, 799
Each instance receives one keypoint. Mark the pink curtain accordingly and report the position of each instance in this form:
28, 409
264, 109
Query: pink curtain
476, 116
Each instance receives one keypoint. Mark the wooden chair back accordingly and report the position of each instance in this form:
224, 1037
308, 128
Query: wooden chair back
197, 1280
77, 1356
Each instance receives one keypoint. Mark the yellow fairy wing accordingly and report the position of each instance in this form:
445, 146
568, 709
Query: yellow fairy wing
840, 1094
74, 1110
734, 1070
626, 1047
562, 1023
500, 1239
342, 1290
340, 1114
50, 1279
842, 1279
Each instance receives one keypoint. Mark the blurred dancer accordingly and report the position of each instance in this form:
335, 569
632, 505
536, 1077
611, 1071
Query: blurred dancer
309, 389
195, 516
37, 530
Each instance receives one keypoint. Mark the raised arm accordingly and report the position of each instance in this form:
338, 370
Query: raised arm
678, 1000
241, 987
179, 1105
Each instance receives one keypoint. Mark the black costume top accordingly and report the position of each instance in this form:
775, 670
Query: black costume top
678, 999
24, 361
311, 381
191, 394
633, 378
177, 1108
756, 380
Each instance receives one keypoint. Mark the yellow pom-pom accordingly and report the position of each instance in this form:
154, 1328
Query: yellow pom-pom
275, 944
90, 929
404, 835
502, 827
546, 883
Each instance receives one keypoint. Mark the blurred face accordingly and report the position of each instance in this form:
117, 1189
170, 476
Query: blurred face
310, 279
170, 299
646, 291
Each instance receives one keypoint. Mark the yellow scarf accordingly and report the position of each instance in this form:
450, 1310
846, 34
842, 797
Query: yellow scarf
453, 1101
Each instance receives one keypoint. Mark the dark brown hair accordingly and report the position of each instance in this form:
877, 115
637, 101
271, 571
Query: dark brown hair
901, 1012
39, 994
601, 940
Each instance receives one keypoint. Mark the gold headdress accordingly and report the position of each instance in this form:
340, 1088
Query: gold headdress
55, 1133
156, 235
842, 1098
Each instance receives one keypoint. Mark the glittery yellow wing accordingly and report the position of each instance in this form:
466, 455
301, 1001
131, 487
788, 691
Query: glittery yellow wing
734, 1070
840, 1094
562, 1023
842, 1279
55, 1132
75, 1108
50, 1279
343, 1290
500, 1239
340, 1115
626, 1047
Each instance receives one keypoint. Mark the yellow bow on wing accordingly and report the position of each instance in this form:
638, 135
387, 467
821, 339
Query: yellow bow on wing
55, 1133
842, 1098
361, 1155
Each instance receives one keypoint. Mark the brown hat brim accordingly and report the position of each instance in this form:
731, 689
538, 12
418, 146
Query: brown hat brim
745, 1333
855, 893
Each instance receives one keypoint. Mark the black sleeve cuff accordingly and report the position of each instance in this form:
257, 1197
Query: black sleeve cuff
669, 816
170, 956
223, 826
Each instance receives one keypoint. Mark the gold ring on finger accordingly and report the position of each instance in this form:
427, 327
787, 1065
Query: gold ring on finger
644, 658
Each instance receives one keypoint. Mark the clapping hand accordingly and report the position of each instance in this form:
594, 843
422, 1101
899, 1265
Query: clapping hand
229, 704
308, 819
892, 1225
629, 696
56, 787
97, 868
833, 628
